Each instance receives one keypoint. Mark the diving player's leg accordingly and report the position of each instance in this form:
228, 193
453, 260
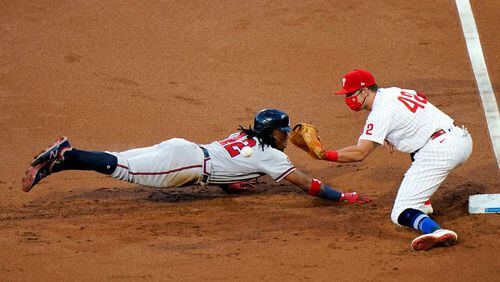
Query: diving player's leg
138, 151
102, 162
76, 159
62, 156
172, 163
148, 168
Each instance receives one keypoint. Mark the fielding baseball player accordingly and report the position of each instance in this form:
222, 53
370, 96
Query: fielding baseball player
410, 123
243, 156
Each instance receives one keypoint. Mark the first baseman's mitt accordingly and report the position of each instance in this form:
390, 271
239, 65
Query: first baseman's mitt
305, 136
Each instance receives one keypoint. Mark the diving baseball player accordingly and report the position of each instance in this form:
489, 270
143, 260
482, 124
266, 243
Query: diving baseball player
243, 156
409, 122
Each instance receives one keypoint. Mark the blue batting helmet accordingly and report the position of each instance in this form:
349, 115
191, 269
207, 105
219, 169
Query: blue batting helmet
271, 119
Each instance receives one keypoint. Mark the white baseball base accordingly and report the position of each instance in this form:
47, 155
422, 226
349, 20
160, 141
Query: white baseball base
484, 203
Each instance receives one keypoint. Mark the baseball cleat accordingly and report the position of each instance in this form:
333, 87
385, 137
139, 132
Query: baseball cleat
53, 153
34, 174
441, 237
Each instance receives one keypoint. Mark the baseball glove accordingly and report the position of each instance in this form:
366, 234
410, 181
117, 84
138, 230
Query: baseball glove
305, 136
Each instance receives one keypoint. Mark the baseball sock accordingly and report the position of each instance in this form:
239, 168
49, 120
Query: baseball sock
87, 160
427, 225
418, 220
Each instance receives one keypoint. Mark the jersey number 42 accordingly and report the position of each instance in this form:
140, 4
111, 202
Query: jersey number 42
412, 101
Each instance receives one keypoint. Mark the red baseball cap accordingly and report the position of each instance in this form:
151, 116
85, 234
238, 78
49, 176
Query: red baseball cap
356, 79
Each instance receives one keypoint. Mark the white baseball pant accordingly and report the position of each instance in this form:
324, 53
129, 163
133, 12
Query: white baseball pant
172, 163
432, 164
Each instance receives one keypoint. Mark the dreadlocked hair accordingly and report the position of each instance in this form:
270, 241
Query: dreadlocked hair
265, 136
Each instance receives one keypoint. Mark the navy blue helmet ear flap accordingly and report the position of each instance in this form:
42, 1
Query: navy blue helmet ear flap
269, 119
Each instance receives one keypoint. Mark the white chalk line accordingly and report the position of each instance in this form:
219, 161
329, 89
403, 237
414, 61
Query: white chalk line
481, 73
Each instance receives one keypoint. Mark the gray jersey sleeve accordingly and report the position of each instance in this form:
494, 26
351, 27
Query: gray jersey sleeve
275, 164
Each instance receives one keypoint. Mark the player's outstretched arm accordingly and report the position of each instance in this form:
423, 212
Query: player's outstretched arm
315, 187
350, 154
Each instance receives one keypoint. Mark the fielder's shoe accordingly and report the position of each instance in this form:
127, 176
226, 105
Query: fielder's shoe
427, 207
34, 174
53, 153
441, 237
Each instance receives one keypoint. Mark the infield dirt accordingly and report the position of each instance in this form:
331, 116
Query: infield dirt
117, 75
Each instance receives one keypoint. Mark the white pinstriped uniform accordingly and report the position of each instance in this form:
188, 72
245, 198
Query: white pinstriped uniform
178, 162
407, 121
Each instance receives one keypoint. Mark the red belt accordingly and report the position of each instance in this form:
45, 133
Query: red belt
433, 136
437, 134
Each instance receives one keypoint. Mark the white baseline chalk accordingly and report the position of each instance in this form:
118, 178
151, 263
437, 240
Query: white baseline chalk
481, 73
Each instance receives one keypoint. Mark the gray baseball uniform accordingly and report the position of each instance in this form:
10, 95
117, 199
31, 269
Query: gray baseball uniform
178, 162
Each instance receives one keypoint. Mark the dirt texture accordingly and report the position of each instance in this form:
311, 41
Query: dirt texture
114, 75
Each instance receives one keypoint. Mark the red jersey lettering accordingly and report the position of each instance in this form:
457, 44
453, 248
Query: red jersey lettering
412, 101
235, 144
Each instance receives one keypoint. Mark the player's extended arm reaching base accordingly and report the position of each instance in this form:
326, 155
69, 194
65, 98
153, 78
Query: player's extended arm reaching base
315, 187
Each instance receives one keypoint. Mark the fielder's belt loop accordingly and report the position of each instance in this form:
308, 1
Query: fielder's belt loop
206, 174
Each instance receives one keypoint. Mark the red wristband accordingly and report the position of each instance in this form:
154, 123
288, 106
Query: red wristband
315, 187
332, 155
